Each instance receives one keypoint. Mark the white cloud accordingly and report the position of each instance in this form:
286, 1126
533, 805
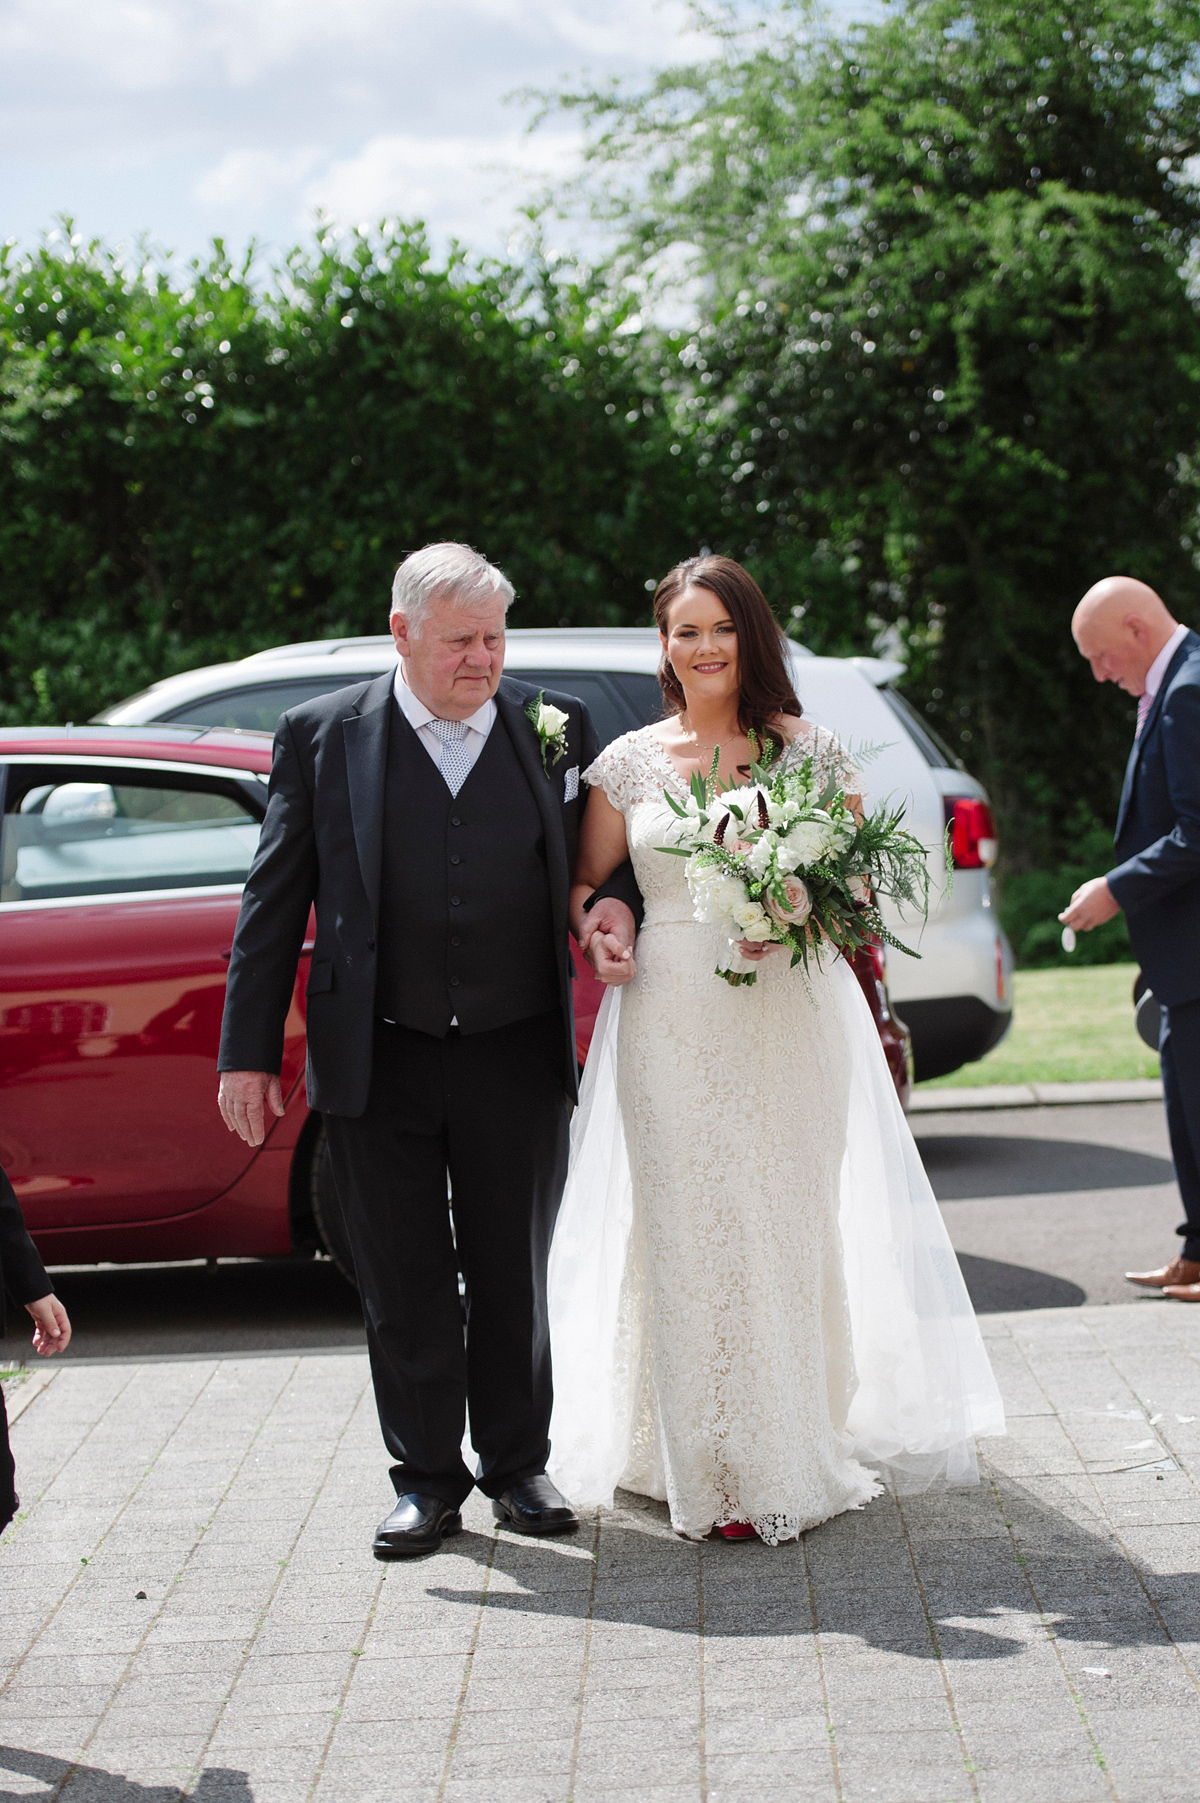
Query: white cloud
245, 176
460, 186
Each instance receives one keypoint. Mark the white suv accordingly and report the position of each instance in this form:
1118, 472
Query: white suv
956, 1000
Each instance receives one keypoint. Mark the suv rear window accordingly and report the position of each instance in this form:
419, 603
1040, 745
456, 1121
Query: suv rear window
618, 701
258, 708
930, 744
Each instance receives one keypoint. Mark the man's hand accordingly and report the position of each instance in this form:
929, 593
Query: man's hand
611, 960
241, 1096
51, 1328
1090, 906
607, 941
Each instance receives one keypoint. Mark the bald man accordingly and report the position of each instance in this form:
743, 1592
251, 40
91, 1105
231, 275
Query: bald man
1128, 637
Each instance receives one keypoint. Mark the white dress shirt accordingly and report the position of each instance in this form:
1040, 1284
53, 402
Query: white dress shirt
478, 725
1158, 668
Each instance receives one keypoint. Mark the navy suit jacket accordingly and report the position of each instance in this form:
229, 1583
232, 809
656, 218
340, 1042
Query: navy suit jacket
1157, 882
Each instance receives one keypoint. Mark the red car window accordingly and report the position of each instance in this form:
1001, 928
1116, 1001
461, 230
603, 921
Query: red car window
90, 831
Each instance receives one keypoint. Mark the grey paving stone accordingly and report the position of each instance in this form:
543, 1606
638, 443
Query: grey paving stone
538, 1768
1045, 1784
887, 1784
280, 1763
592, 1790
616, 1765
790, 1731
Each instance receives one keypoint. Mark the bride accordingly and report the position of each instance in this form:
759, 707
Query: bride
755, 1310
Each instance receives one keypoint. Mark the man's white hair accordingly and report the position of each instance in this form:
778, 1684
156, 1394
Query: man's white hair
455, 571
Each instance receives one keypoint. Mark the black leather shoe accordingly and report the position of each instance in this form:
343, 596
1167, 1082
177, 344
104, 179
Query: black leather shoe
534, 1506
417, 1525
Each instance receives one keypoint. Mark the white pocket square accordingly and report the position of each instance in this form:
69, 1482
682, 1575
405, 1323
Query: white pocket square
571, 783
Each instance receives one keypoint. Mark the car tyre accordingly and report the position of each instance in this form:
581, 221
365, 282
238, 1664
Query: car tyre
327, 1210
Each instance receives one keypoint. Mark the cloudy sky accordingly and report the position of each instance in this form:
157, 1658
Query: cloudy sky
189, 118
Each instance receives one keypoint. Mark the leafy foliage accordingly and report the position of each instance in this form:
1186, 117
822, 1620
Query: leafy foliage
948, 367
189, 473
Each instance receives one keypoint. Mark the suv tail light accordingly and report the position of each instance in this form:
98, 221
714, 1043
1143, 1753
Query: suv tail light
973, 842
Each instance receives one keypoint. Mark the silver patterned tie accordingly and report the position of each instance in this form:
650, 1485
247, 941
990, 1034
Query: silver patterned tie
454, 766
1145, 703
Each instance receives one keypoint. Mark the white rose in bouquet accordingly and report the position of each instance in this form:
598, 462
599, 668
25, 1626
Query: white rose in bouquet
752, 921
761, 853
715, 893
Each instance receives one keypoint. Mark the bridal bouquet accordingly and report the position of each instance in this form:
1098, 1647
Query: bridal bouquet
784, 859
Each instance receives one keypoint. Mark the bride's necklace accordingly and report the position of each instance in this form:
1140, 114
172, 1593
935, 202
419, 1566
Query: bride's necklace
703, 754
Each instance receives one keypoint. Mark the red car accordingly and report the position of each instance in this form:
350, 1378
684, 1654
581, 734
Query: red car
123, 851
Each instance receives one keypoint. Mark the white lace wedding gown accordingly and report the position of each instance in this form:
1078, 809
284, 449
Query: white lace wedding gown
755, 1310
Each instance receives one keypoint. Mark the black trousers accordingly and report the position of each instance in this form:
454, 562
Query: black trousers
9, 1500
487, 1110
1179, 1052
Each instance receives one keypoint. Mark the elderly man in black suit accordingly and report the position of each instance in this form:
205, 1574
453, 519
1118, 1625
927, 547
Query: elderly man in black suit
23, 1279
1128, 637
432, 818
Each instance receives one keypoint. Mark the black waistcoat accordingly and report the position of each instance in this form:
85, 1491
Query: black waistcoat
466, 929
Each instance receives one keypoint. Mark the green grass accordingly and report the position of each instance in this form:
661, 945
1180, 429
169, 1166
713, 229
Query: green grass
1069, 1026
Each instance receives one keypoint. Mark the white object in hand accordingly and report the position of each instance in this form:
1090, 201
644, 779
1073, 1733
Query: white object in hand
1068, 939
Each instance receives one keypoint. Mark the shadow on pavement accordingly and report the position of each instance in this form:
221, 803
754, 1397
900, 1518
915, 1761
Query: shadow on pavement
963, 1169
255, 1306
994, 1566
995, 1288
87, 1782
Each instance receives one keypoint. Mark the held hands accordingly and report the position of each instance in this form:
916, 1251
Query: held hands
243, 1097
51, 1328
1090, 906
607, 941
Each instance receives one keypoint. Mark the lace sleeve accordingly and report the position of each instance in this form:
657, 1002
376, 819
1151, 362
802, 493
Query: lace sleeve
829, 755
620, 771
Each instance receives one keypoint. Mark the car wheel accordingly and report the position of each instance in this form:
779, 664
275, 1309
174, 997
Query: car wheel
327, 1210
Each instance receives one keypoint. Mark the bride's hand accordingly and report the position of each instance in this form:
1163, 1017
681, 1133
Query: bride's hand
755, 949
612, 961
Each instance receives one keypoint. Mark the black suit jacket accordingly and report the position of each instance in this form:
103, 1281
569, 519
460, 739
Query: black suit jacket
22, 1273
322, 844
1157, 882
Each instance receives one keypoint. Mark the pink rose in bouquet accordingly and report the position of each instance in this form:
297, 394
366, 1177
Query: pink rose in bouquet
797, 907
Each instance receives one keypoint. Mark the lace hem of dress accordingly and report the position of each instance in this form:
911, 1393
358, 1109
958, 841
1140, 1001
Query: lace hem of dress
776, 1527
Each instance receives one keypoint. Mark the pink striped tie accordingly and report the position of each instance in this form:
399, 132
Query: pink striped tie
1144, 704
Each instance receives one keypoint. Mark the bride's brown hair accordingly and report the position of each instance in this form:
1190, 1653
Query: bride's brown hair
765, 682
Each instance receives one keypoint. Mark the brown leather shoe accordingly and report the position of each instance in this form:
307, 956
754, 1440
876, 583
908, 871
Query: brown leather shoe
1181, 1272
1183, 1292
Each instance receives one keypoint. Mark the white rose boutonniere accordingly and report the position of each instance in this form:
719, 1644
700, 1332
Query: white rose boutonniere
550, 725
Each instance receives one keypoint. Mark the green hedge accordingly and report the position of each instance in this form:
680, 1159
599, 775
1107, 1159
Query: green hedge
190, 471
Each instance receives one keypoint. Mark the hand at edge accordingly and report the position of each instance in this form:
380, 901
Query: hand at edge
51, 1327
1091, 905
